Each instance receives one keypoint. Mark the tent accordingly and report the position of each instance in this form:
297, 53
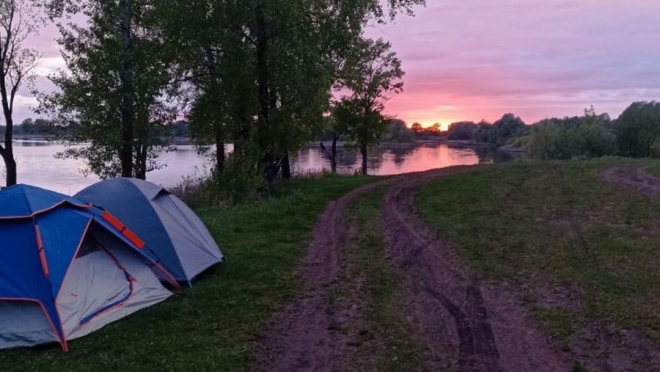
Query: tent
65, 270
175, 236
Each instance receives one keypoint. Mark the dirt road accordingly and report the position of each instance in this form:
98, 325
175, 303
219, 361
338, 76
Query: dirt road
466, 326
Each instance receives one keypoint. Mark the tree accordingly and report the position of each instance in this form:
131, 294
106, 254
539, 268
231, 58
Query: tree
213, 54
417, 128
507, 127
434, 129
362, 127
373, 75
398, 131
17, 22
638, 128
462, 131
262, 70
115, 94
482, 134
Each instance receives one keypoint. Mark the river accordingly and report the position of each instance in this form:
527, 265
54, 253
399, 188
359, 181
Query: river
38, 166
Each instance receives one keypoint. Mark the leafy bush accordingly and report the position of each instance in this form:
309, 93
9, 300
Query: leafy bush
655, 149
462, 131
638, 128
498, 133
398, 131
552, 140
242, 180
596, 141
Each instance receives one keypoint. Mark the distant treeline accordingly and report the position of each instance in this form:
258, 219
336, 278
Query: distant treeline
28, 127
41, 127
636, 133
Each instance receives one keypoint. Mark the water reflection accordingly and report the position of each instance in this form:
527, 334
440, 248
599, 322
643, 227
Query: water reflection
401, 159
37, 165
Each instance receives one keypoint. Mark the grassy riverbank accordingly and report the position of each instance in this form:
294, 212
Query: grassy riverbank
581, 250
213, 328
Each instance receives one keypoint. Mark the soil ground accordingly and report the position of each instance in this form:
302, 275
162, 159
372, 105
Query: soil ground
464, 324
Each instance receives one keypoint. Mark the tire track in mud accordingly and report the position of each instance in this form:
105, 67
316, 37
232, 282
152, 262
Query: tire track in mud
464, 325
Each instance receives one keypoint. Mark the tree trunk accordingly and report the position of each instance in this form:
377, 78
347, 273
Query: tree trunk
128, 102
262, 68
215, 121
286, 167
264, 139
140, 167
333, 161
219, 153
10, 165
364, 150
332, 154
7, 152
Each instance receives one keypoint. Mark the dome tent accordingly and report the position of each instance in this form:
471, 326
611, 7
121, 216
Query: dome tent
174, 235
65, 270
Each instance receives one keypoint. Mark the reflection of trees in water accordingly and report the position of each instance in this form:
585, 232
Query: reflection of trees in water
489, 154
400, 153
348, 159
375, 159
31, 143
485, 154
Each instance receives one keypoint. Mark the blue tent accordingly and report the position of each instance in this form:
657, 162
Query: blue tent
66, 269
174, 235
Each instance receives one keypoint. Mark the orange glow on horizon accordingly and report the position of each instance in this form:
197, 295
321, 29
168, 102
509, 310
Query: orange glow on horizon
444, 123
425, 118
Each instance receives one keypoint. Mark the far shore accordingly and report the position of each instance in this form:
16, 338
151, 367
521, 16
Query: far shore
187, 141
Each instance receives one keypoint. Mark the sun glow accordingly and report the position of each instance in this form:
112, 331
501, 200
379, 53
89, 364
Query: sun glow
427, 123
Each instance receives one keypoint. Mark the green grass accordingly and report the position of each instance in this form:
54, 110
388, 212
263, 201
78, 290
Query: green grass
385, 340
557, 225
215, 326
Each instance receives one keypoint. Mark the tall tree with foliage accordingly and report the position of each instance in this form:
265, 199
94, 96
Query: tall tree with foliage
373, 76
213, 59
18, 21
114, 92
262, 70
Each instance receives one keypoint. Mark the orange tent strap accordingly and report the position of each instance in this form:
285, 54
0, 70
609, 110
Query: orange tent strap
42, 253
113, 221
134, 238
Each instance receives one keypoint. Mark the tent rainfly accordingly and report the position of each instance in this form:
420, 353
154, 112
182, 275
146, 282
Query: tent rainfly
174, 235
66, 270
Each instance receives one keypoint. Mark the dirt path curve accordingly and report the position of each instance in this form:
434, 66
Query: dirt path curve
465, 325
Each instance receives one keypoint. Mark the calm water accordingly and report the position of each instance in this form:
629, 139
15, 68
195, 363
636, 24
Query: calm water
37, 165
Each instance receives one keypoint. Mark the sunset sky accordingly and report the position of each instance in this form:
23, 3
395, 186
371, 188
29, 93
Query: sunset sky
478, 59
